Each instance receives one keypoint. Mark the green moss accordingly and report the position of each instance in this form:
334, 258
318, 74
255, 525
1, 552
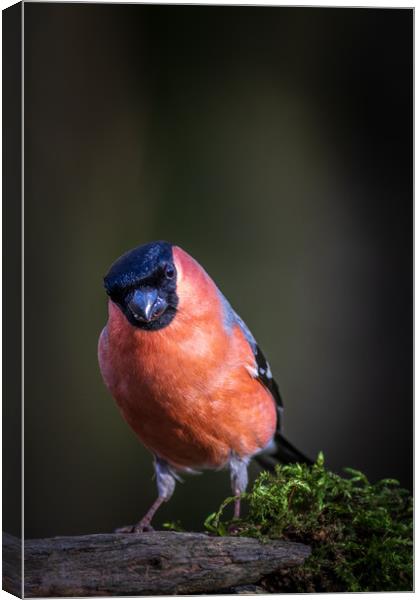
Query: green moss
173, 526
360, 533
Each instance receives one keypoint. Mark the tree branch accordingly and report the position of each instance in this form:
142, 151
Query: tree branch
148, 563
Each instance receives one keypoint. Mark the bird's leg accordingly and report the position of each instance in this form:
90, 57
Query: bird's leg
239, 480
165, 480
145, 523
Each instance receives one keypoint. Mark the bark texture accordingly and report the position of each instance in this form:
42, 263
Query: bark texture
150, 563
12, 564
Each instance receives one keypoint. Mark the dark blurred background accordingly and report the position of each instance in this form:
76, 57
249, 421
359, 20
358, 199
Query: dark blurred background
275, 146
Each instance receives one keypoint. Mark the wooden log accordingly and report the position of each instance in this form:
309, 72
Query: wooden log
152, 563
12, 564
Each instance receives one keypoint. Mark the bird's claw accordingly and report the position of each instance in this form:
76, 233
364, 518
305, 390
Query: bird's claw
138, 528
234, 528
126, 529
142, 527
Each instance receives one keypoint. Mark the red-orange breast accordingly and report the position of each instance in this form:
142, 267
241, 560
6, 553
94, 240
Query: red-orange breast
185, 371
190, 390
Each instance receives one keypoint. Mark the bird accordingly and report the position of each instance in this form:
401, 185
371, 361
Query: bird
187, 374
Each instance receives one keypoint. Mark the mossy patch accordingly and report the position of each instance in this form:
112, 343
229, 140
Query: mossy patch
361, 534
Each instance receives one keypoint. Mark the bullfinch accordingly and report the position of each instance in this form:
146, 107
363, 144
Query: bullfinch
186, 372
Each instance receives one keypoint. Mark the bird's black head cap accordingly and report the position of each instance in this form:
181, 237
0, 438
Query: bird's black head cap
143, 284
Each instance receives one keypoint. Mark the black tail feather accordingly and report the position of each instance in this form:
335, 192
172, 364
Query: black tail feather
285, 453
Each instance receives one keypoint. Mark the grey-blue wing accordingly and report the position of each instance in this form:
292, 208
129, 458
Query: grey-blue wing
264, 374
285, 452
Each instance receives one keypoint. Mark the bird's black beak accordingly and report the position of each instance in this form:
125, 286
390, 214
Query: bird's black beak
146, 305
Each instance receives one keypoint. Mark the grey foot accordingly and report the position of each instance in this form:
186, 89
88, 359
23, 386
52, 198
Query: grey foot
138, 528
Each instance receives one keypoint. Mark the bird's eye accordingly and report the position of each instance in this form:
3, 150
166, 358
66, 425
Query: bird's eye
169, 272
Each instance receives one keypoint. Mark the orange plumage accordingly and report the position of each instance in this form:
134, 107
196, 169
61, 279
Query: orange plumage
187, 390
184, 369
